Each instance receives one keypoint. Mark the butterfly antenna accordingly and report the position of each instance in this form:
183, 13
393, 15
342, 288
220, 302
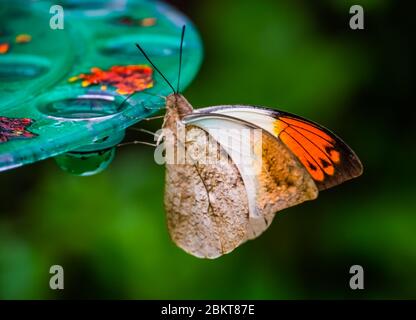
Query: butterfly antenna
153, 65
180, 57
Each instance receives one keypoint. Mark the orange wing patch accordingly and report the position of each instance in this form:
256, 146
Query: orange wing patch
314, 148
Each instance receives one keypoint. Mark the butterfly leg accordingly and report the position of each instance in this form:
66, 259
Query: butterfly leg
123, 144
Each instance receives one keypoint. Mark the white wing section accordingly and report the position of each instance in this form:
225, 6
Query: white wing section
261, 117
241, 141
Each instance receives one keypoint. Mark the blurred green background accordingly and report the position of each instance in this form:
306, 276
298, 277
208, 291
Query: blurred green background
109, 233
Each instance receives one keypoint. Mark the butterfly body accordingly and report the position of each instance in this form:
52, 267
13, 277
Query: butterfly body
214, 206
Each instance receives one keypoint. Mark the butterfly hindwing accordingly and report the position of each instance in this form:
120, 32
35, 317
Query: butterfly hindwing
325, 156
205, 200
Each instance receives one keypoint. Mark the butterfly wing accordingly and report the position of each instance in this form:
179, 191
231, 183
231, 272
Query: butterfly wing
214, 207
325, 156
273, 177
205, 199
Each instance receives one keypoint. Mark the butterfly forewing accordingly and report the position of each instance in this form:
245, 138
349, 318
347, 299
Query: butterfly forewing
325, 156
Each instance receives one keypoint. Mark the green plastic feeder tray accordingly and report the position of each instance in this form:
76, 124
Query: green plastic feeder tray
50, 103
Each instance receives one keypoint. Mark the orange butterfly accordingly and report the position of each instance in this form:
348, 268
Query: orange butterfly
212, 205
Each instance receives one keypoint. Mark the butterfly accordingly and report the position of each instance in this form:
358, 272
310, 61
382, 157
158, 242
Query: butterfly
214, 206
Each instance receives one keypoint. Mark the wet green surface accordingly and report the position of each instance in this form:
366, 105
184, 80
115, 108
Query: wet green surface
85, 164
67, 116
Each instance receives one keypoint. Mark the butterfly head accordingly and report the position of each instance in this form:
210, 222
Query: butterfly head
177, 104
